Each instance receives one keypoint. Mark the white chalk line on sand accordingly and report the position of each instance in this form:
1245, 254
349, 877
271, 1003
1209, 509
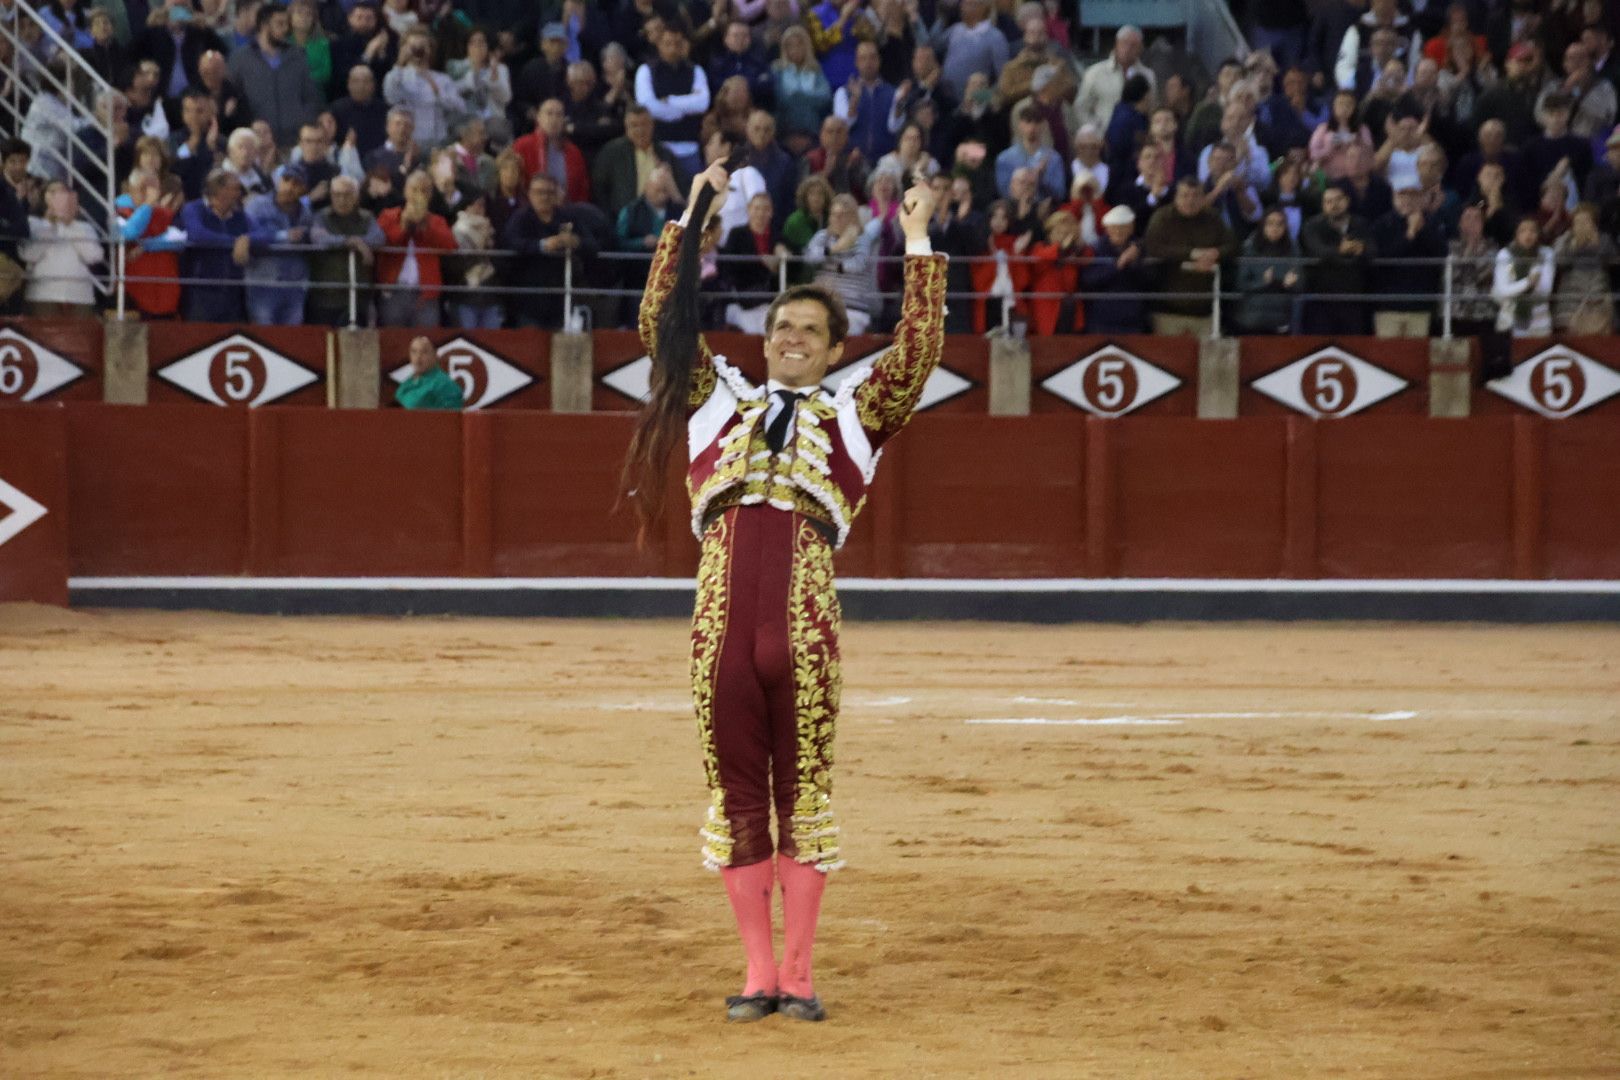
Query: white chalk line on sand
1154, 719
1077, 721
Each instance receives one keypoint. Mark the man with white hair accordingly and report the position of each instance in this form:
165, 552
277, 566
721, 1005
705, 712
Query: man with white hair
1117, 266
1103, 82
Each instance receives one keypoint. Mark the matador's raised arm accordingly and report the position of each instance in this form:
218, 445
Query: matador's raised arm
660, 281
888, 397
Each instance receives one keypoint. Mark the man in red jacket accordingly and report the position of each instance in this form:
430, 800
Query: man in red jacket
547, 150
408, 277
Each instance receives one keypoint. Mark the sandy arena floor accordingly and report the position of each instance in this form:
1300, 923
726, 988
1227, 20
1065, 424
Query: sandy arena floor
248, 847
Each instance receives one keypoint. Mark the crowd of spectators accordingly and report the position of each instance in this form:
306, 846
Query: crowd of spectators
418, 162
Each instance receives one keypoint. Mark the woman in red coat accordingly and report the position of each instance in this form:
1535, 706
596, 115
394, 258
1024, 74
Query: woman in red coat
408, 279
987, 312
1056, 270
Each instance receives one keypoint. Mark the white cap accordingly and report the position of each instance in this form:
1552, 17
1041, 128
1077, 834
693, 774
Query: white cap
1119, 215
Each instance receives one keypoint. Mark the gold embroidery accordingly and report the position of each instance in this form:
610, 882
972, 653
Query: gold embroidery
708, 636
660, 281
886, 401
813, 622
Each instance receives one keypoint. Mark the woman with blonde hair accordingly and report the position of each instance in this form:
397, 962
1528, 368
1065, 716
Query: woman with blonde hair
803, 95
841, 254
1056, 271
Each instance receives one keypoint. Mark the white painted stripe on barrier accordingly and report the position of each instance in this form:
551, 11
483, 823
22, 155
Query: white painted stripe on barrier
911, 585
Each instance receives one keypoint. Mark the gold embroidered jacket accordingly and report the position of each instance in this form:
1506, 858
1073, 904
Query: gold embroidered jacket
824, 470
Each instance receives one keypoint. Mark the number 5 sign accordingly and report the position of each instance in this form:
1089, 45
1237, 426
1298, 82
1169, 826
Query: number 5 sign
1558, 382
1329, 383
1110, 382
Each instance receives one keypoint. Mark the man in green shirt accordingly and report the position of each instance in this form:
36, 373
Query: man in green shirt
430, 386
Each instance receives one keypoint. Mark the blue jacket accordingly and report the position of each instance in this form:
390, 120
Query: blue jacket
1099, 277
209, 240
268, 226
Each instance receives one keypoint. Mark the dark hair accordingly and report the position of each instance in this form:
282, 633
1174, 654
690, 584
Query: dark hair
1355, 113
837, 314
266, 13
15, 146
635, 108
662, 419
1136, 88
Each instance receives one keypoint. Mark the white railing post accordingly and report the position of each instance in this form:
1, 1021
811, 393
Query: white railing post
781, 274
1215, 307
1445, 304
568, 290
354, 292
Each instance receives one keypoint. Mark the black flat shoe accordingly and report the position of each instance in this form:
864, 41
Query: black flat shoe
745, 1010
798, 1008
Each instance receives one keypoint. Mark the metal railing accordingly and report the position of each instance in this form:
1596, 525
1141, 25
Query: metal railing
575, 293
84, 93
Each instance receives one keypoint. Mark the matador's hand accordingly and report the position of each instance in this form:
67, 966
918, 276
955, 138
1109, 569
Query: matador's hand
916, 208
714, 176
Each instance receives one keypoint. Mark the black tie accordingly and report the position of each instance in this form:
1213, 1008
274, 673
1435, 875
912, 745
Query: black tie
776, 433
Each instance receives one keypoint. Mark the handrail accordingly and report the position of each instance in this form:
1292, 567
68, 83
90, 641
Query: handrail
100, 88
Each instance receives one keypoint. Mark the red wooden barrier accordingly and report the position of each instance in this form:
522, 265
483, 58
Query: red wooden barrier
1398, 498
34, 512
179, 490
158, 489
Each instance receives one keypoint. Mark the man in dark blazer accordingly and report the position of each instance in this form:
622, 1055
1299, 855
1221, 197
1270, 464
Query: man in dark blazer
616, 177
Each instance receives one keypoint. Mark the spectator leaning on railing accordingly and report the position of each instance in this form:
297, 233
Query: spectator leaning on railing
1190, 240
216, 250
152, 261
546, 241
277, 280
349, 236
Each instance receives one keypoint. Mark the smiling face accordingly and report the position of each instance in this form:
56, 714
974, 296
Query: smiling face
798, 346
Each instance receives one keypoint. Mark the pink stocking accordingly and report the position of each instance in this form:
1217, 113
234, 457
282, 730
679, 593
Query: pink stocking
749, 889
801, 908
